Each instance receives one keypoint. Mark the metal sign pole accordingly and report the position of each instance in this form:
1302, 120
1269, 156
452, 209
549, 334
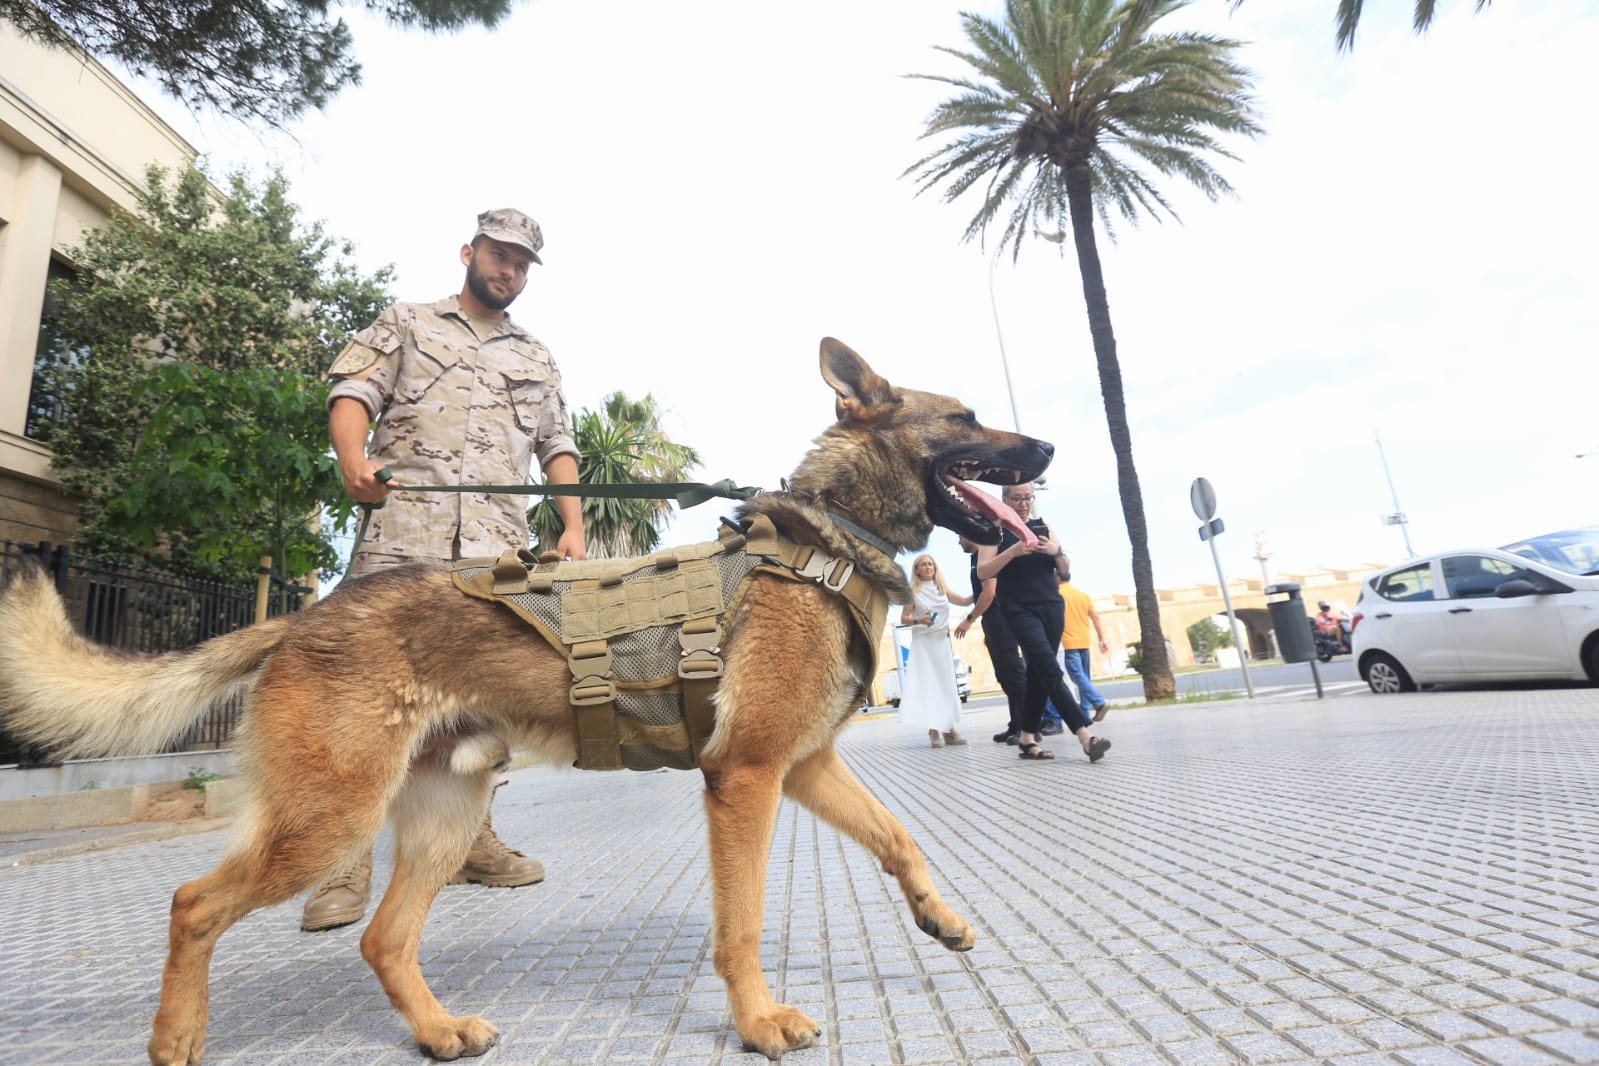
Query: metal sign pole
1315, 676
1203, 498
1232, 623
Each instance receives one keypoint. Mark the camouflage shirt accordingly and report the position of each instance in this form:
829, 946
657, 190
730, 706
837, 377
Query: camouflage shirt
452, 409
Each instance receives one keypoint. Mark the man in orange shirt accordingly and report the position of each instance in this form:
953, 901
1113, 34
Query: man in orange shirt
1080, 614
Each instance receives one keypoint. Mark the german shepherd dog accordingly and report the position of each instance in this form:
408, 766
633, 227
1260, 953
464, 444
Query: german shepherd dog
398, 697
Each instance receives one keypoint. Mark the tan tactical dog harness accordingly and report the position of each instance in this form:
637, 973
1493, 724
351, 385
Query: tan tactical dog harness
643, 636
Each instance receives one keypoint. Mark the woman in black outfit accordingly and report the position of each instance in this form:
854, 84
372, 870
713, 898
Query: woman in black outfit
1028, 581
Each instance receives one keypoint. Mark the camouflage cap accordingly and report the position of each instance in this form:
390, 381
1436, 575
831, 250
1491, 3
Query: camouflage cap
513, 227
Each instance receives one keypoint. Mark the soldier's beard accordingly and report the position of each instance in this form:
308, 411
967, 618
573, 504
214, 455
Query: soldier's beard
478, 286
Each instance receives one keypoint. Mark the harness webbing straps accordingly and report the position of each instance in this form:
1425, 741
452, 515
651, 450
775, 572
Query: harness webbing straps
700, 668
593, 699
510, 572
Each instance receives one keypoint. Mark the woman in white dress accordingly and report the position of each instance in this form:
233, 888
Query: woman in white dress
929, 700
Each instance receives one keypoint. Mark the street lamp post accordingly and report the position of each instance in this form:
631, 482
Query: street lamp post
1398, 518
993, 305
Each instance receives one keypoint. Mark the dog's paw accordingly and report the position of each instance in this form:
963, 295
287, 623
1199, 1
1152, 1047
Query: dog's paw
467, 1035
949, 929
179, 1054
781, 1029
175, 1044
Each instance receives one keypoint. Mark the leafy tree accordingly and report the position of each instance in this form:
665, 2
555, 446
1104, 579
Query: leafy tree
1066, 104
255, 59
1205, 636
620, 444
189, 350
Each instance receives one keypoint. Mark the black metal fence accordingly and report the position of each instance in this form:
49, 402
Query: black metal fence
145, 611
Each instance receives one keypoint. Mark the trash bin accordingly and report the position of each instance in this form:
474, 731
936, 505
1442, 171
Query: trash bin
1292, 624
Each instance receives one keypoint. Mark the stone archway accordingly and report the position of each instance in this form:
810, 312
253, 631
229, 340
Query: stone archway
1259, 639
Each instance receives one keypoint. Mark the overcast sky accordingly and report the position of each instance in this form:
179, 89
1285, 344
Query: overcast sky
1411, 252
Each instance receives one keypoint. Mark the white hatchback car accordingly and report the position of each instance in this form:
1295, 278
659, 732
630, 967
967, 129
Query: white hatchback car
1478, 615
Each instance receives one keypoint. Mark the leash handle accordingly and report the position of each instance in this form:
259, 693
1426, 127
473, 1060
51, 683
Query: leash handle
382, 477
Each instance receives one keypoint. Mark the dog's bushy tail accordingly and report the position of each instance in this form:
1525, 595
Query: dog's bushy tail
78, 699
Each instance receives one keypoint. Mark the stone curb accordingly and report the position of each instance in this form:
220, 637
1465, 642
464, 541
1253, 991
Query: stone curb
135, 836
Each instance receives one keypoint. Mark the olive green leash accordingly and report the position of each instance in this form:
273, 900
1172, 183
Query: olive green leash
685, 493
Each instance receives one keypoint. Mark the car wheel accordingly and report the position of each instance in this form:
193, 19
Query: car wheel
894, 702
1385, 675
1590, 659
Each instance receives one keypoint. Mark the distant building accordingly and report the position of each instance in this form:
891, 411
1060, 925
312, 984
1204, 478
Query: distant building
74, 145
1180, 607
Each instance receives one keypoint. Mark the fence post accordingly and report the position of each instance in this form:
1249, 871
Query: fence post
60, 559
263, 585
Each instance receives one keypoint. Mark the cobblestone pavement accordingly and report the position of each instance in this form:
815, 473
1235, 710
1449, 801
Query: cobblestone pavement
1373, 880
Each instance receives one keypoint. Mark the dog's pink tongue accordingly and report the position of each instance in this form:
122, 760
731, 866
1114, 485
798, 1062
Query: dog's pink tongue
996, 510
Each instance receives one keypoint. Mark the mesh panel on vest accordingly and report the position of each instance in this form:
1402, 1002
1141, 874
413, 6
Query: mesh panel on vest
652, 708
648, 654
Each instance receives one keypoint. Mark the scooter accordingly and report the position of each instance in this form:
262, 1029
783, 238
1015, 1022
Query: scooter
1328, 645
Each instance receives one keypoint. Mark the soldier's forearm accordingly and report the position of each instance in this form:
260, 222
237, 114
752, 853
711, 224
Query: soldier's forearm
562, 470
347, 428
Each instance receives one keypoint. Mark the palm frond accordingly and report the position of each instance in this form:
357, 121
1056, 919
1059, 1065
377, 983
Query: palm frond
1348, 19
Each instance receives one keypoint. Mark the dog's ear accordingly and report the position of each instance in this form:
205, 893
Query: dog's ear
860, 394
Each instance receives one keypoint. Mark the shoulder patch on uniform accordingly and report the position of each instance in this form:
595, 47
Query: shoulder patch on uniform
354, 359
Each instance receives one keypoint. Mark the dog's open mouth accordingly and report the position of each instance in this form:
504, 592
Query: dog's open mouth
970, 512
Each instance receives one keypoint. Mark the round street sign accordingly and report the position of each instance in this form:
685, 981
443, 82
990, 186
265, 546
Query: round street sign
1203, 497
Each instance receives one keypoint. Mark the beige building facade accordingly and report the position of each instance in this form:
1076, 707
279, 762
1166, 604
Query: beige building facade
74, 145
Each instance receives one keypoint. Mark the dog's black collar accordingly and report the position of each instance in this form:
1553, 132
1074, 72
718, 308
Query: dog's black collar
838, 520
871, 538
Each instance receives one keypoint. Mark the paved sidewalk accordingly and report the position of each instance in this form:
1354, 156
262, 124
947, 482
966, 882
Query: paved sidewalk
1372, 880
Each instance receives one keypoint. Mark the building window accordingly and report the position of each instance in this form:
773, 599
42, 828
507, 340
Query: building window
44, 398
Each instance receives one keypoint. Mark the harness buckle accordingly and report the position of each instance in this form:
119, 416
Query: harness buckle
701, 641
590, 663
829, 572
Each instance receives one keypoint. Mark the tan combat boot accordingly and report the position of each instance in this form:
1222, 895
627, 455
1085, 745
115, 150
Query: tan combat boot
490, 862
341, 899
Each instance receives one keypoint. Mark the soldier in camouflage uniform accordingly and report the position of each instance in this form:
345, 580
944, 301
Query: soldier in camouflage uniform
461, 395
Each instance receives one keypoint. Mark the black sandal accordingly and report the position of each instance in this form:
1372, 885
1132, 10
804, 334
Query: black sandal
1096, 749
1035, 751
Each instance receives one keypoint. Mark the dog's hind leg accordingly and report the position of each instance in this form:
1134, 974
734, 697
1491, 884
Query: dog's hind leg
741, 809
266, 864
831, 791
202, 911
435, 819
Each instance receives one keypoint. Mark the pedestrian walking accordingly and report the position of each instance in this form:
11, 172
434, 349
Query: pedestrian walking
1028, 589
929, 700
1003, 653
1080, 616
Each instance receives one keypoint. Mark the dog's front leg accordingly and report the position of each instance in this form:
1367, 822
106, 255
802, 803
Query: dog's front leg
741, 808
828, 789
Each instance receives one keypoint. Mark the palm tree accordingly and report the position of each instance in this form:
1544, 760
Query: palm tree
1067, 103
659, 458
621, 444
